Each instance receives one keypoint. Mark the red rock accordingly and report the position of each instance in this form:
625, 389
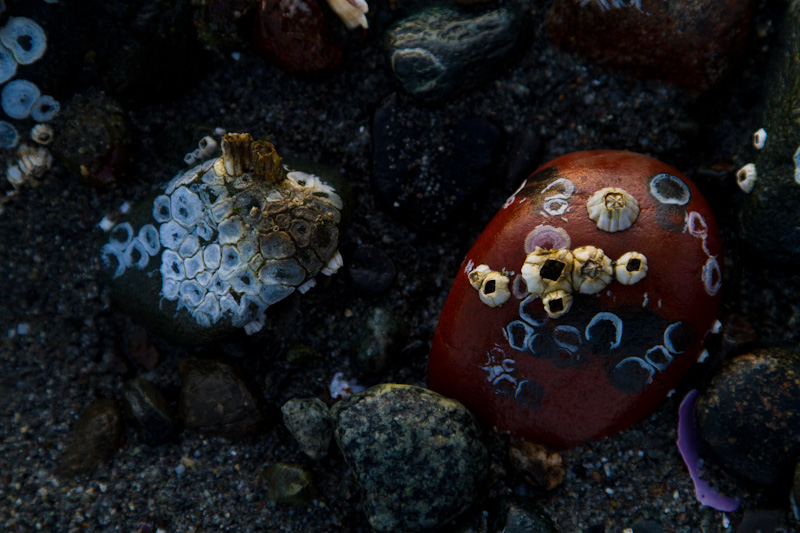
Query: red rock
295, 36
691, 43
613, 356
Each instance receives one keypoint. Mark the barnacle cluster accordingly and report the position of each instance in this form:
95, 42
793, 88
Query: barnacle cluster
234, 235
555, 275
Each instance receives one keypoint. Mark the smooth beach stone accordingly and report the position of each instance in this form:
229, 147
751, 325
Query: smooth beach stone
288, 484
297, 39
97, 436
441, 50
383, 338
211, 250
310, 423
217, 399
425, 171
583, 302
148, 411
417, 455
770, 217
750, 414
93, 139
691, 43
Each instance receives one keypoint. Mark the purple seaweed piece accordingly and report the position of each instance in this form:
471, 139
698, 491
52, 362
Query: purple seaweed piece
689, 446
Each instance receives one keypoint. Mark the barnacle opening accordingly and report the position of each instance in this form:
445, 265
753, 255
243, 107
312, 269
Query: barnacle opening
548, 270
631, 268
494, 291
592, 270
612, 209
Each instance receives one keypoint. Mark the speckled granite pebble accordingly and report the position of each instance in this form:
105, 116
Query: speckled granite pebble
217, 399
770, 217
442, 50
417, 455
750, 414
310, 423
97, 435
148, 411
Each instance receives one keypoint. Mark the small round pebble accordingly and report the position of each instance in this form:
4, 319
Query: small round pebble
148, 411
288, 483
97, 435
417, 455
384, 336
750, 414
310, 423
217, 399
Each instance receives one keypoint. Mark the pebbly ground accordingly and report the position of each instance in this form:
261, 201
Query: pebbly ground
61, 337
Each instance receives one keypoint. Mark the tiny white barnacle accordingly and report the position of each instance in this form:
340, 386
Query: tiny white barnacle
477, 275
548, 270
746, 177
630, 268
613, 209
592, 270
352, 12
494, 290
760, 138
557, 303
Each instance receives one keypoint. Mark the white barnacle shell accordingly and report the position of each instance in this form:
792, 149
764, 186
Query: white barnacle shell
613, 209
548, 270
630, 268
352, 12
42, 134
557, 303
591, 270
760, 138
746, 177
477, 275
494, 289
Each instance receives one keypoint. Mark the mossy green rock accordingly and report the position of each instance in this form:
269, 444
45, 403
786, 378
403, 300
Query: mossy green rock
771, 215
417, 455
441, 50
288, 484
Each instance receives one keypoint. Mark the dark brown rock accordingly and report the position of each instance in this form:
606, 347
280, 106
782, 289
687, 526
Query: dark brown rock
538, 467
750, 414
690, 43
217, 399
148, 411
97, 435
300, 41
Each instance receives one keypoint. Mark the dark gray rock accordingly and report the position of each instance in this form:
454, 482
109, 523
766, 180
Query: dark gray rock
771, 214
441, 50
288, 484
371, 269
425, 168
417, 455
519, 515
217, 399
310, 423
148, 411
97, 435
750, 414
385, 334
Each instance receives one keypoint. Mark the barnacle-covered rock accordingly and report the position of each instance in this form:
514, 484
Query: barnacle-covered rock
599, 325
221, 242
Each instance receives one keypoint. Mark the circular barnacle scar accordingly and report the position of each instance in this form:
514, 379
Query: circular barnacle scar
8, 65
614, 320
519, 335
547, 237
45, 108
669, 189
494, 289
612, 209
630, 268
25, 38
9, 138
711, 276
17, 98
121, 235
659, 357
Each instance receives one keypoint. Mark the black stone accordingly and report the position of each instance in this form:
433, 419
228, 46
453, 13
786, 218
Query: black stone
148, 411
97, 435
750, 414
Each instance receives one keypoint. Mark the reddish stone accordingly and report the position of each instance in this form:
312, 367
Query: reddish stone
295, 36
691, 43
613, 356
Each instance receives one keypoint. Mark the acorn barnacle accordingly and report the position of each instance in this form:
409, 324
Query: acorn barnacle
613, 209
222, 242
548, 270
630, 268
591, 270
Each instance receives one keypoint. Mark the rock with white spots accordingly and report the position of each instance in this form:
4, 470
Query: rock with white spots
603, 317
222, 242
771, 214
